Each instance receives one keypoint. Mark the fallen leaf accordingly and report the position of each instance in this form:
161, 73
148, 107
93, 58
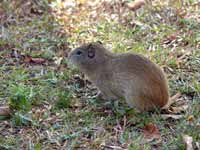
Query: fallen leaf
187, 141
38, 60
151, 132
136, 4
29, 59
190, 118
5, 111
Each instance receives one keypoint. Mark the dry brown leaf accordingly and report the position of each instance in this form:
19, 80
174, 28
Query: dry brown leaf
38, 60
29, 59
5, 111
187, 141
151, 132
190, 118
135, 5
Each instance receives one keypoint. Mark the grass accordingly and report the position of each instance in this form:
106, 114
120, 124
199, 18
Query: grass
53, 104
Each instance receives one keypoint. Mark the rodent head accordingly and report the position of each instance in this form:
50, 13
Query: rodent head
89, 57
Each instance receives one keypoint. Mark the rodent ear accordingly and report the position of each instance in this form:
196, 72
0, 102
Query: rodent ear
91, 51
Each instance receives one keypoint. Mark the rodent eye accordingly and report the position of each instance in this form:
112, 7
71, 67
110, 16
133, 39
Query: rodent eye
78, 53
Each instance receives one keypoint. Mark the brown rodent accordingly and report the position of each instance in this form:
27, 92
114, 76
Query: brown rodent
123, 76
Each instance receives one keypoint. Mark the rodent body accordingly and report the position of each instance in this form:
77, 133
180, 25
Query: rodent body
123, 76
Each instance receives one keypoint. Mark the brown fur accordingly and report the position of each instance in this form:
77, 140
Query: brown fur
123, 76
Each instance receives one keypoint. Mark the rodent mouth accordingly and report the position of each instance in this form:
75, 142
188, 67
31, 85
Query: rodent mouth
73, 60
72, 64
70, 58
70, 55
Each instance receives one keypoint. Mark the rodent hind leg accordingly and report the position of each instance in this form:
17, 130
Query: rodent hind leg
100, 95
130, 101
134, 102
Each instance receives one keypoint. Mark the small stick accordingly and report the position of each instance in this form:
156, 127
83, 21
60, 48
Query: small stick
172, 100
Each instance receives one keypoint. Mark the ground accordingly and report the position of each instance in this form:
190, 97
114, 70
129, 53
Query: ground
53, 106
